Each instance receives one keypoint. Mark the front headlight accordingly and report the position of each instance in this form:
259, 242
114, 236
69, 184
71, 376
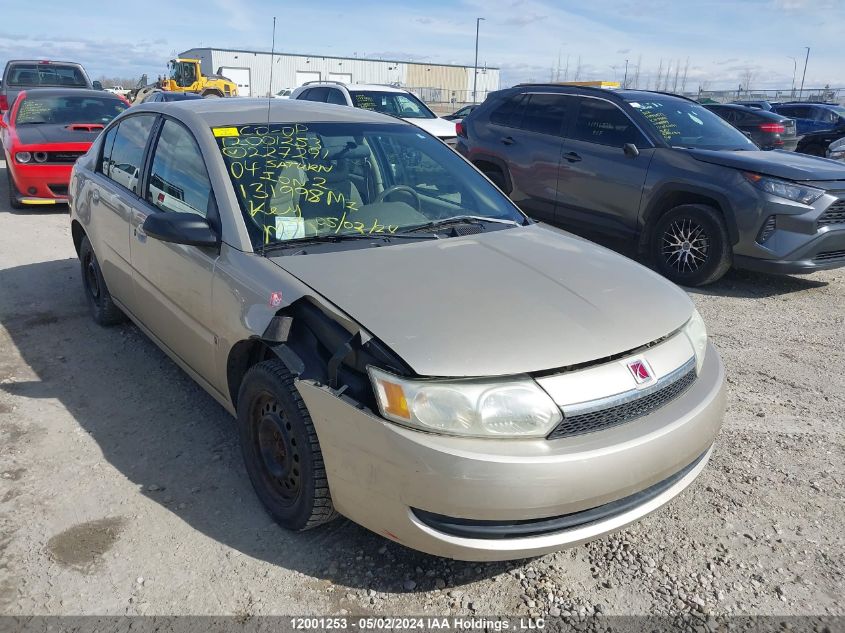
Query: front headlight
696, 332
23, 157
784, 188
836, 150
513, 407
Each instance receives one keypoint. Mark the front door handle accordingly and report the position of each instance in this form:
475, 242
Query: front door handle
572, 157
507, 140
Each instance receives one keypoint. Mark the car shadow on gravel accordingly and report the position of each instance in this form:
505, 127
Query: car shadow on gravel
744, 284
177, 445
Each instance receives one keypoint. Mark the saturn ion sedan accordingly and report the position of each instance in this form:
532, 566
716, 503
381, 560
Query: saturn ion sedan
399, 344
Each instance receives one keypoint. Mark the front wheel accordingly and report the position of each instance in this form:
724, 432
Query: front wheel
690, 245
281, 450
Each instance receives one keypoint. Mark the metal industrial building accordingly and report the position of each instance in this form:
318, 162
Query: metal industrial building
435, 83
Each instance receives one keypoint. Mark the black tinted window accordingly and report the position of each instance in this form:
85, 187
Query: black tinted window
316, 94
108, 142
35, 74
127, 152
178, 178
604, 123
546, 113
335, 96
508, 111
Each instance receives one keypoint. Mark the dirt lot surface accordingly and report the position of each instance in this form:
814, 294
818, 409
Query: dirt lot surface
122, 489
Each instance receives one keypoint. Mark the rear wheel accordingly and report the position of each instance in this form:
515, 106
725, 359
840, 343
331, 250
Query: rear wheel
13, 199
690, 245
281, 450
496, 176
213, 94
815, 150
103, 309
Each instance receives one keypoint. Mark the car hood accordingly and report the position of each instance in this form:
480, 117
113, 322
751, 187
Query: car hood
440, 128
510, 301
788, 165
54, 133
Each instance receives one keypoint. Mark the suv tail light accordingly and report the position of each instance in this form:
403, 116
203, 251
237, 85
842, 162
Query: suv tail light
4, 103
777, 128
460, 130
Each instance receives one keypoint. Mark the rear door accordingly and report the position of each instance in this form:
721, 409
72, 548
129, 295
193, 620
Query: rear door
172, 282
114, 192
600, 186
527, 134
803, 115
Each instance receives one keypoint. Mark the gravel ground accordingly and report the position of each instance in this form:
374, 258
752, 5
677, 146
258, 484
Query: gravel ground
122, 489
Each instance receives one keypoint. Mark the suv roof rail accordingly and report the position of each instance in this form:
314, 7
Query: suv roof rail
324, 81
541, 84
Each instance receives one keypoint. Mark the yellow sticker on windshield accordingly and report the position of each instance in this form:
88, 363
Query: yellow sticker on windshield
225, 131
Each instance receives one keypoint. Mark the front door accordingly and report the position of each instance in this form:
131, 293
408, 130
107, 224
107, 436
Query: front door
600, 185
172, 282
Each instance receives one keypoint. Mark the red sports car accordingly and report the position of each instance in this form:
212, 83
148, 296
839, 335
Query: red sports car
44, 132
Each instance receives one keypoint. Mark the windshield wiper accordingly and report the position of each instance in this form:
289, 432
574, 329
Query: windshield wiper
459, 219
334, 238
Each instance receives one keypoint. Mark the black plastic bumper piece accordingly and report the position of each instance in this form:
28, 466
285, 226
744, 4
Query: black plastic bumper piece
483, 529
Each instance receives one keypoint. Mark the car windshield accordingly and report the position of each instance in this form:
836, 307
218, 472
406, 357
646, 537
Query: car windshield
687, 124
46, 75
401, 104
66, 109
296, 181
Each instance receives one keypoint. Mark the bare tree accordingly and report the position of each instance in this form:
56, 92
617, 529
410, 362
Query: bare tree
636, 81
684, 80
659, 75
578, 70
746, 77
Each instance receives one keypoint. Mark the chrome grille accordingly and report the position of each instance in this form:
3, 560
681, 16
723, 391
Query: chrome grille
835, 214
633, 406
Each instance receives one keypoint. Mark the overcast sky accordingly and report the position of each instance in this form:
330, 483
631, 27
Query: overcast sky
724, 40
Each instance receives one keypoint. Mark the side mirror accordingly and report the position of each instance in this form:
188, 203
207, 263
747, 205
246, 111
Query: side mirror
630, 150
180, 228
97, 85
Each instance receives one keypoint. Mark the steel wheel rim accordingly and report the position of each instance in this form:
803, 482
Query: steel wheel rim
91, 279
277, 449
686, 246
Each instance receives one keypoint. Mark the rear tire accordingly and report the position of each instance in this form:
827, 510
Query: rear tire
496, 176
103, 309
815, 150
281, 450
211, 94
690, 245
13, 200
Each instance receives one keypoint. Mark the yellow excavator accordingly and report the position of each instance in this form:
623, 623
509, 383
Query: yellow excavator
185, 75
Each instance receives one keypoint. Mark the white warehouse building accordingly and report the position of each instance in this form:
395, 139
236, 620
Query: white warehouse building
250, 70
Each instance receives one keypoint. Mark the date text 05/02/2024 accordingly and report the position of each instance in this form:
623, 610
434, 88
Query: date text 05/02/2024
407, 623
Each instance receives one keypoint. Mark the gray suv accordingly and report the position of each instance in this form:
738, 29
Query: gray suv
659, 177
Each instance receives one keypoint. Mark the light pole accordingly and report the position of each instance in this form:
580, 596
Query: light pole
806, 59
625, 81
475, 74
794, 70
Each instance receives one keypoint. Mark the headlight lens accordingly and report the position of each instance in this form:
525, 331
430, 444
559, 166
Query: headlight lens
836, 150
696, 332
23, 157
784, 188
514, 407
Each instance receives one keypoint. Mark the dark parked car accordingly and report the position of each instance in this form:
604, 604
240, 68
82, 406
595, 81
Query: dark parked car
21, 74
769, 130
163, 96
757, 105
461, 113
812, 117
818, 143
660, 176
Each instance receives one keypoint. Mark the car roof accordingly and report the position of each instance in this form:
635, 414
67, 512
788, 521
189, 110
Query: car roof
621, 95
745, 109
61, 92
247, 110
41, 61
357, 87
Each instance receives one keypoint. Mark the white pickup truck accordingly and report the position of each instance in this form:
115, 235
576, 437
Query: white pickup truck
118, 90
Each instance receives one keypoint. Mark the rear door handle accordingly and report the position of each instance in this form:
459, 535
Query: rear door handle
95, 196
507, 140
572, 157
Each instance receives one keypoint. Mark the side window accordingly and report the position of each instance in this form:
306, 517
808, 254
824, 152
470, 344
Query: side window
508, 112
178, 178
546, 114
108, 141
127, 151
316, 94
304, 94
603, 123
336, 97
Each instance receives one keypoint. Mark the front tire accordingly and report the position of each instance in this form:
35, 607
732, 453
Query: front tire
103, 309
281, 450
690, 245
13, 199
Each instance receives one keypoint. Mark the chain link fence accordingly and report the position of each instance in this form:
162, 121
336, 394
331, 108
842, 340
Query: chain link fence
815, 95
